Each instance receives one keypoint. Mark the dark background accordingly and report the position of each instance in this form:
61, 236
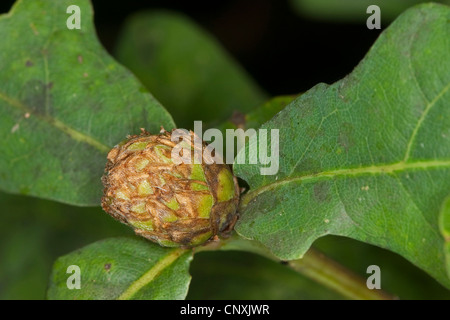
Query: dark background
283, 51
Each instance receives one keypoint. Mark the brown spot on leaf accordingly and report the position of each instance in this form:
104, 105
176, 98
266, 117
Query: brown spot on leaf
309, 165
238, 119
34, 95
314, 131
345, 139
322, 192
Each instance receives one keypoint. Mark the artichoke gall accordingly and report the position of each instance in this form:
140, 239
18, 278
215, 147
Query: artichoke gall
183, 204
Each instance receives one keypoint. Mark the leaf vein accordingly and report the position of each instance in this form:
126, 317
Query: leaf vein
75, 134
380, 169
152, 273
421, 119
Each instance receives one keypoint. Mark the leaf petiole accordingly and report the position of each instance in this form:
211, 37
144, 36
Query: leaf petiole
314, 265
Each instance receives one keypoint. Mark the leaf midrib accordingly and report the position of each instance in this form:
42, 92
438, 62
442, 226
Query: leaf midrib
380, 169
398, 166
152, 273
74, 134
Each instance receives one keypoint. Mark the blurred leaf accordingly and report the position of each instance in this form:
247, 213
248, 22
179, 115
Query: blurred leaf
252, 120
63, 103
398, 276
367, 157
255, 118
185, 68
39, 231
34, 232
123, 268
239, 275
353, 10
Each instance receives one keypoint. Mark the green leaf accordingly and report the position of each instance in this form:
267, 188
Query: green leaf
367, 157
123, 268
185, 68
64, 102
